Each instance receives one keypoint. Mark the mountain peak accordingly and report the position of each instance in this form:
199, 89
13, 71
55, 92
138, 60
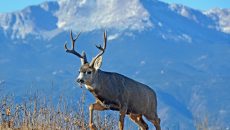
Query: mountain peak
88, 15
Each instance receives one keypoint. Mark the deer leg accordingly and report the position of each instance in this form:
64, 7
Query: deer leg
139, 121
123, 111
95, 106
156, 123
153, 118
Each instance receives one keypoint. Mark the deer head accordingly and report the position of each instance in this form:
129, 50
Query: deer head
87, 70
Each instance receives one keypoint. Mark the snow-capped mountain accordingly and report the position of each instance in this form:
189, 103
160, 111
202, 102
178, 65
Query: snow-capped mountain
33, 20
83, 15
180, 52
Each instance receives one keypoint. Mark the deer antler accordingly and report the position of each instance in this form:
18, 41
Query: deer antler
102, 49
72, 50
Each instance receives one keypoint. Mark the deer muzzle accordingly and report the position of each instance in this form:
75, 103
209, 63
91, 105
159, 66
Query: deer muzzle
80, 81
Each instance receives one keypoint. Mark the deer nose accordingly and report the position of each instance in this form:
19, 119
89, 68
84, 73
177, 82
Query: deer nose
80, 80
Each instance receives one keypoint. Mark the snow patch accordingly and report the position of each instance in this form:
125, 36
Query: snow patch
160, 24
143, 62
181, 37
45, 6
186, 38
112, 37
57, 72
183, 11
61, 24
162, 72
88, 15
203, 57
222, 16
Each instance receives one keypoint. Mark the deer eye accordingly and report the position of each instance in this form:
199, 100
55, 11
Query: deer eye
88, 72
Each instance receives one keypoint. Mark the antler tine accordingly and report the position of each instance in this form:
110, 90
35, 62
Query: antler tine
73, 45
74, 39
102, 49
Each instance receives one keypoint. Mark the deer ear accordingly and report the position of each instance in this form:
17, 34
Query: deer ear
97, 63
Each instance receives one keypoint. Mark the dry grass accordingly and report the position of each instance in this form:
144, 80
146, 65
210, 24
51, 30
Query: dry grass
40, 113
36, 112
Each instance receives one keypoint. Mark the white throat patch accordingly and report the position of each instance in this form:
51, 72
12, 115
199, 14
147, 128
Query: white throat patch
88, 87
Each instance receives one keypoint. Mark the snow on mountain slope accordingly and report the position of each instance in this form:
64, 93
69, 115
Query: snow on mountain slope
91, 15
33, 20
176, 50
172, 24
222, 18
48, 18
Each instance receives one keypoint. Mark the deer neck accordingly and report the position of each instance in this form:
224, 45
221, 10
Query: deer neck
95, 83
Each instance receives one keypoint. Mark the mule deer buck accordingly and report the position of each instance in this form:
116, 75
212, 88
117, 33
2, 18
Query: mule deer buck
114, 91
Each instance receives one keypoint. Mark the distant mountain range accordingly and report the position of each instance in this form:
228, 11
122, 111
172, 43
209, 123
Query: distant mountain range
180, 52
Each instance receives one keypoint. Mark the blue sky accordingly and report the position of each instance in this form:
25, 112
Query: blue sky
14, 5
